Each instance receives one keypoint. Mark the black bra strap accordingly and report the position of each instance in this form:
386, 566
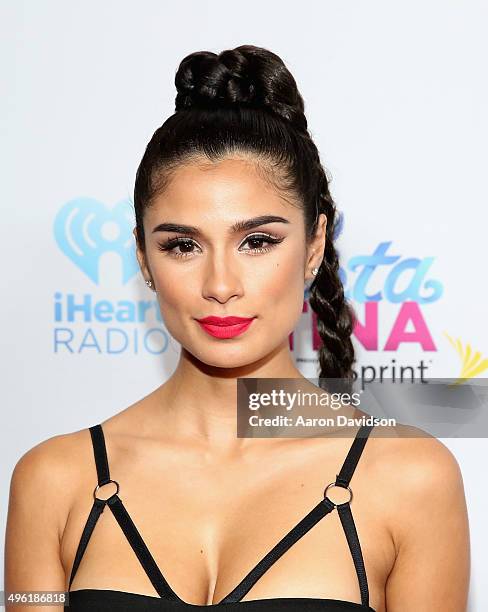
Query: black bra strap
103, 476
324, 507
96, 510
100, 452
312, 518
141, 550
118, 510
352, 458
349, 527
344, 510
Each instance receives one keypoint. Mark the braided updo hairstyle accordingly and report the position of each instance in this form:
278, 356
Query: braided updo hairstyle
245, 101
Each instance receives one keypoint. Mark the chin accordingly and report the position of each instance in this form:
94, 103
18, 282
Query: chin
226, 357
226, 360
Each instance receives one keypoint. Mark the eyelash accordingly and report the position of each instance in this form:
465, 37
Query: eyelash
170, 244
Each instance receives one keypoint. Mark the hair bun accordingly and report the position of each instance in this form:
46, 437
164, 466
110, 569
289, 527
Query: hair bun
245, 76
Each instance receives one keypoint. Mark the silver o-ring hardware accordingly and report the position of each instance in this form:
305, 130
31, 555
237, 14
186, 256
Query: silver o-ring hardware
102, 485
333, 484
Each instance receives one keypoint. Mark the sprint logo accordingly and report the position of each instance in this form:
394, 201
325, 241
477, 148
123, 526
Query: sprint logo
472, 363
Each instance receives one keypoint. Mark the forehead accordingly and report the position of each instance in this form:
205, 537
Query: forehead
226, 189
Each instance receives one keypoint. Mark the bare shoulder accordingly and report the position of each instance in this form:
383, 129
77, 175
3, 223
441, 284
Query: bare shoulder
55, 455
416, 468
410, 448
42, 490
65, 458
418, 459
49, 473
423, 502
61, 464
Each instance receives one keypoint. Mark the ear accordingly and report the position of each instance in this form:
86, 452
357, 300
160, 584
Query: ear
315, 250
141, 258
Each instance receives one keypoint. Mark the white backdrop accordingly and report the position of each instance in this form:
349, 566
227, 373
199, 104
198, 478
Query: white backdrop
396, 100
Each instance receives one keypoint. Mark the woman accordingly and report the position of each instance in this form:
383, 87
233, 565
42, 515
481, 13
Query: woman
233, 218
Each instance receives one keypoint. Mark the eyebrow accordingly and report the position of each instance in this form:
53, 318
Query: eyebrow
239, 226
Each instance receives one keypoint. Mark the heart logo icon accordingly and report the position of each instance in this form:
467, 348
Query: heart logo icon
85, 229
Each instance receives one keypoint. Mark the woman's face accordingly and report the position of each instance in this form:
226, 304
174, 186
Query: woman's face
211, 269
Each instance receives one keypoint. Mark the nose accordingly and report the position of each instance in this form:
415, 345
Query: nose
222, 278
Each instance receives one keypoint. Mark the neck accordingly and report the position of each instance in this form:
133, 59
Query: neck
198, 403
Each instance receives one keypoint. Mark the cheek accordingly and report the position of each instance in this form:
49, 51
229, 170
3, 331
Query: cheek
175, 296
280, 293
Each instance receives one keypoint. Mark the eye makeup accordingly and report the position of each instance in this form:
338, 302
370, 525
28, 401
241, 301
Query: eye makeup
169, 246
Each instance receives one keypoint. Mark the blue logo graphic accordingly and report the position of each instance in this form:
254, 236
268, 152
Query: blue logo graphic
85, 229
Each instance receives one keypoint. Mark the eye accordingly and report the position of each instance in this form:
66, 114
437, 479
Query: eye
259, 239
186, 245
181, 243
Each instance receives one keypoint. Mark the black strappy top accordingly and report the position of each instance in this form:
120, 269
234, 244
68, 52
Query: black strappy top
103, 600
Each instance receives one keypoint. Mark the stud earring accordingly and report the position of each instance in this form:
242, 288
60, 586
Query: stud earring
149, 283
315, 271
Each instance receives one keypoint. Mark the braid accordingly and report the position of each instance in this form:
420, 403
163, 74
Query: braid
335, 317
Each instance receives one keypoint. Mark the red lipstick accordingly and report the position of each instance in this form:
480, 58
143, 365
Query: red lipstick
225, 327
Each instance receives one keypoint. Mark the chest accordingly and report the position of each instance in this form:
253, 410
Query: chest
208, 524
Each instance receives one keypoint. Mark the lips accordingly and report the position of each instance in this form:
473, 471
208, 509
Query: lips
225, 327
224, 321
